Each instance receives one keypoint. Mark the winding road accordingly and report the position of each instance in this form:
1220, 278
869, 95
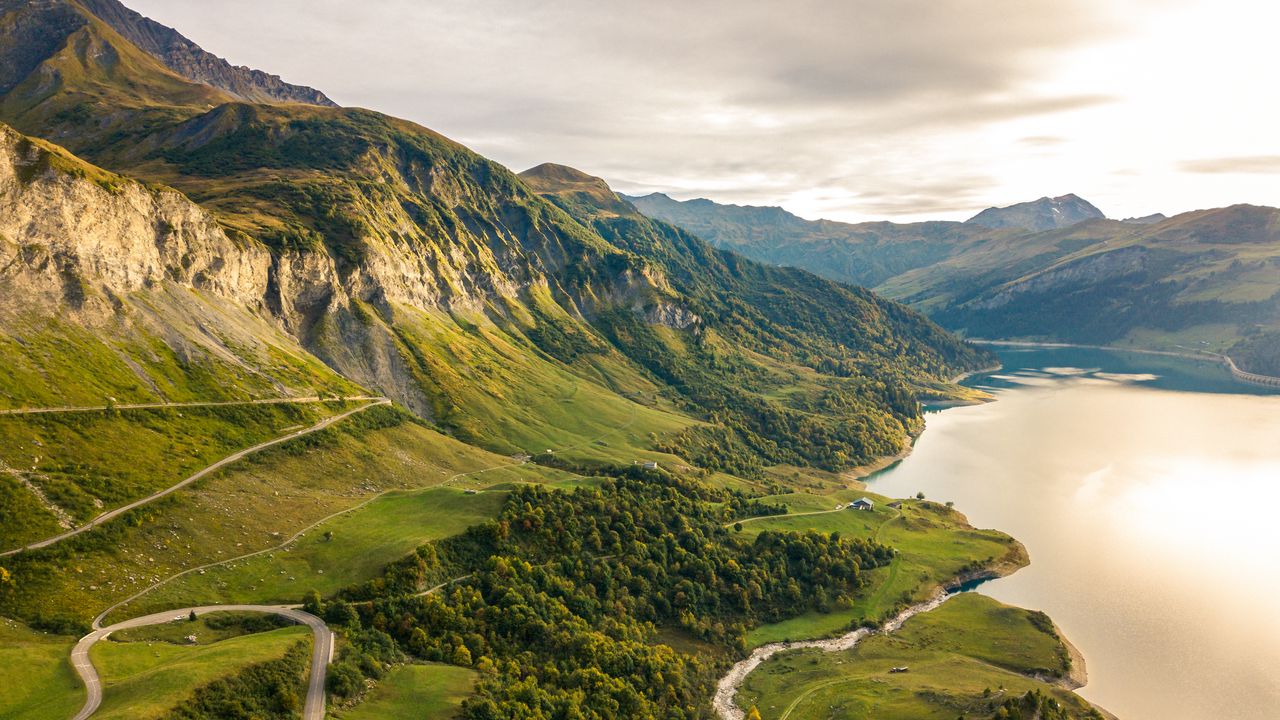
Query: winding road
235, 457
321, 654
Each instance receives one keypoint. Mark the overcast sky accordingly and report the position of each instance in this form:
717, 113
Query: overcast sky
850, 110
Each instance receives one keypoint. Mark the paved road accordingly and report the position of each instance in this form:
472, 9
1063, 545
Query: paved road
193, 478
321, 655
158, 406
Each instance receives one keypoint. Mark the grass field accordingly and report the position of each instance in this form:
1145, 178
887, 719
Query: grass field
964, 659
934, 544
36, 681
414, 691
207, 629
363, 542
143, 680
73, 466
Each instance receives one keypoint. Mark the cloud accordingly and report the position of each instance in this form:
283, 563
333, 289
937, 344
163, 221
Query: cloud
741, 100
1043, 141
1253, 165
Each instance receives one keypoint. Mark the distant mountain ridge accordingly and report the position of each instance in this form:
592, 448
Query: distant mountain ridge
1207, 280
1044, 214
52, 20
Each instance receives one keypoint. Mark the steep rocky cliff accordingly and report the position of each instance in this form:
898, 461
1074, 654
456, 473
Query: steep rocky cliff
112, 288
91, 235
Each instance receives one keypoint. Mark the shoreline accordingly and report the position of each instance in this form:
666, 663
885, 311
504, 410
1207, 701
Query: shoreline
1243, 376
724, 701
862, 472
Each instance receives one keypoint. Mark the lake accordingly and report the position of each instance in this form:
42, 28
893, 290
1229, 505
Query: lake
1147, 490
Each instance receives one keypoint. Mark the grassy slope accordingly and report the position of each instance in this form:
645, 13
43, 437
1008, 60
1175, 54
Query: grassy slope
222, 517
934, 544
428, 691
36, 681
970, 645
143, 680
493, 390
88, 462
363, 542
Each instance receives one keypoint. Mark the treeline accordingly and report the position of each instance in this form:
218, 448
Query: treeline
1036, 705
265, 691
567, 590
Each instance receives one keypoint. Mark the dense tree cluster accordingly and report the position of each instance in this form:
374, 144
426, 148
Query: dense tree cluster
264, 691
1258, 353
1035, 705
567, 589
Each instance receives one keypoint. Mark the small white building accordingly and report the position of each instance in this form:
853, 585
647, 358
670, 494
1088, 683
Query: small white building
651, 466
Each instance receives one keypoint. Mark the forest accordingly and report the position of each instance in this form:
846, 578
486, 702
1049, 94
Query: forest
559, 602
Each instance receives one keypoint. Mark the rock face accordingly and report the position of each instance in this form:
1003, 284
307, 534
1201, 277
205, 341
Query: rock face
87, 235
165, 44
1043, 214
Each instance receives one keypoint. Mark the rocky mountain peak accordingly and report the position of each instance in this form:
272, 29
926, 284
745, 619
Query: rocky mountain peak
1044, 214
43, 27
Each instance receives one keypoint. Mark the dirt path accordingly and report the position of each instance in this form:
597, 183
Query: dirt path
162, 406
234, 457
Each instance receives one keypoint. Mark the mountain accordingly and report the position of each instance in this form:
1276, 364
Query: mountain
1043, 214
51, 20
389, 252
495, 431
863, 254
1146, 219
1202, 280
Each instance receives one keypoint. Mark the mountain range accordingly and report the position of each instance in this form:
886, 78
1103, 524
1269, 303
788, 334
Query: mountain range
193, 244
509, 446
1049, 270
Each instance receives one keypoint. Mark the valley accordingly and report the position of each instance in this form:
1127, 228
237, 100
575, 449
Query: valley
308, 410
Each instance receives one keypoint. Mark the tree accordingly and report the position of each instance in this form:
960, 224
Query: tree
461, 656
345, 680
311, 603
920, 495
753, 713
341, 613
737, 527
192, 616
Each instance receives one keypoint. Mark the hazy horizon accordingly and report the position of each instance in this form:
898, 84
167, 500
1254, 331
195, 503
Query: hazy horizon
904, 110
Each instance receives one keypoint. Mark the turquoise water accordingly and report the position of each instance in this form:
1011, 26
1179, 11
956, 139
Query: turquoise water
1147, 490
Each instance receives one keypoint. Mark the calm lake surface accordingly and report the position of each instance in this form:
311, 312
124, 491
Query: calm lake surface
1147, 490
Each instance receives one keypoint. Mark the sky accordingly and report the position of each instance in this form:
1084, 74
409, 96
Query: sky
850, 110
